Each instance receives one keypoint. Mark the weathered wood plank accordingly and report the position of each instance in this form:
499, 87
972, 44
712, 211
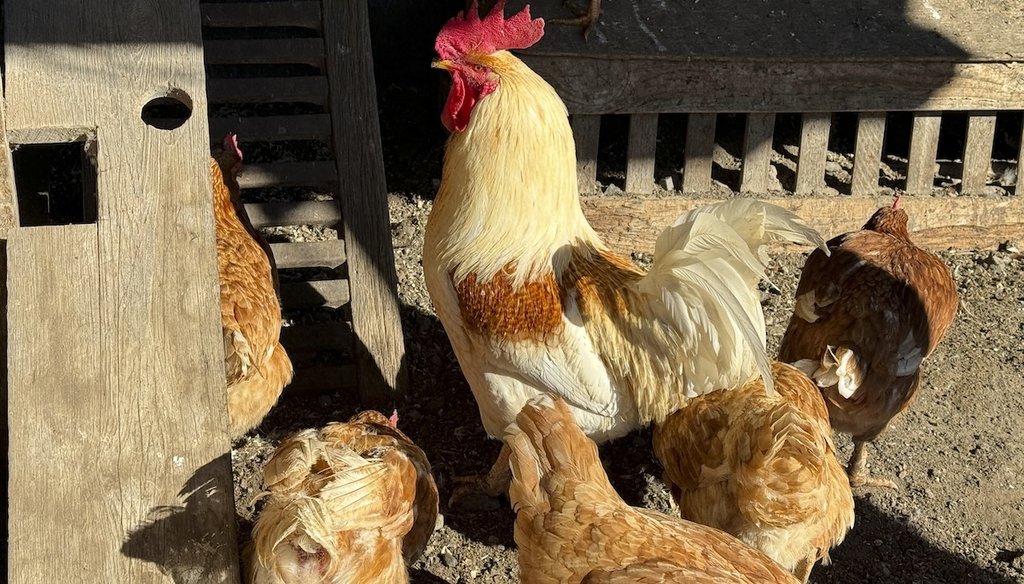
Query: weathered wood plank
301, 14
320, 293
757, 153
700, 146
630, 224
288, 174
371, 264
8, 192
318, 337
810, 169
586, 131
305, 51
272, 128
643, 138
322, 379
867, 155
981, 134
924, 144
309, 254
268, 90
293, 213
654, 84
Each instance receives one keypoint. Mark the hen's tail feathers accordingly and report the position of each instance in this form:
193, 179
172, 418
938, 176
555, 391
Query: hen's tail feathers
839, 367
704, 281
549, 450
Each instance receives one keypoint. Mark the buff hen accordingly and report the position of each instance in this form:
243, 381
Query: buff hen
256, 364
761, 467
866, 318
572, 527
350, 503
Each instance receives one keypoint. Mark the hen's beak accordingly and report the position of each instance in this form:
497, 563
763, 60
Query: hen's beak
441, 64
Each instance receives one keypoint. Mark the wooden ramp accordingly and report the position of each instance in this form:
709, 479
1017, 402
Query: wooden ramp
119, 454
703, 59
300, 73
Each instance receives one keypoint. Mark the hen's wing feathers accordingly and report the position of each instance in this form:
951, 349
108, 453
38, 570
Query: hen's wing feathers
652, 572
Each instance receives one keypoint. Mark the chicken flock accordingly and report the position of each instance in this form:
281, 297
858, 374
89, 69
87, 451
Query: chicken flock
567, 344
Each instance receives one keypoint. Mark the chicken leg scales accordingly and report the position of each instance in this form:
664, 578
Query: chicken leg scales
858, 469
587, 18
492, 485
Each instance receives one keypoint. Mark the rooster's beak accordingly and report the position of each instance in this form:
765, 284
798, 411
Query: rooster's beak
441, 64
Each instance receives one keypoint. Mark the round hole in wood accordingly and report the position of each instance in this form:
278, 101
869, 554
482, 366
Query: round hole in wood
168, 110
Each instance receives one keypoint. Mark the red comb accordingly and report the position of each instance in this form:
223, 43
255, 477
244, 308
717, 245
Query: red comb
468, 33
230, 144
394, 419
897, 203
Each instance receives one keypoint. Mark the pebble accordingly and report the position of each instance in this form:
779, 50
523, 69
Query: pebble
613, 191
448, 560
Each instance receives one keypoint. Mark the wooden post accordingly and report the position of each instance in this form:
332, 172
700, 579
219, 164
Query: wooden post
373, 283
810, 169
867, 155
700, 146
119, 462
586, 131
757, 153
924, 144
643, 138
981, 133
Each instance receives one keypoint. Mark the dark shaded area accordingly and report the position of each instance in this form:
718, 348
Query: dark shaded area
56, 184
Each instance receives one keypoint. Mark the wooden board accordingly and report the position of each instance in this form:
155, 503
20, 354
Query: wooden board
700, 145
981, 132
8, 193
810, 170
630, 224
867, 155
376, 325
924, 143
757, 153
131, 428
643, 137
586, 131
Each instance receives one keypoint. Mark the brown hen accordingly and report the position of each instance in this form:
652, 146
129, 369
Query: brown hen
761, 467
572, 527
866, 317
349, 503
256, 365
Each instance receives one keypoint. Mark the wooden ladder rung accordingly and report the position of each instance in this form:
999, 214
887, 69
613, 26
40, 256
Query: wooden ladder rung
924, 145
305, 51
309, 254
757, 153
320, 293
810, 169
316, 337
643, 139
262, 14
273, 128
281, 174
700, 147
322, 379
586, 131
867, 155
268, 90
981, 134
293, 213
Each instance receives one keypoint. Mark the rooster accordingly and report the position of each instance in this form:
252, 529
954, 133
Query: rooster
866, 317
760, 467
572, 527
352, 502
531, 298
256, 364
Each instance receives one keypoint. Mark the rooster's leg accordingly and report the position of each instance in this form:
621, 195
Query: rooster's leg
491, 485
858, 469
586, 19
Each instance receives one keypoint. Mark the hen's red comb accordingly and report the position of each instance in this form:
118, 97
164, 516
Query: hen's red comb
897, 203
393, 420
467, 32
230, 144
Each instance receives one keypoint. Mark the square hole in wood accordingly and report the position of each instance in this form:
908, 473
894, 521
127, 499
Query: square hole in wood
56, 184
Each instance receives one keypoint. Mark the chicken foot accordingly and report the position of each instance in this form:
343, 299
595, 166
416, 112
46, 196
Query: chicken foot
491, 485
585, 18
858, 469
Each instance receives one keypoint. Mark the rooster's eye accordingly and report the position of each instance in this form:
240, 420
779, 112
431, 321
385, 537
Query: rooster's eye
479, 68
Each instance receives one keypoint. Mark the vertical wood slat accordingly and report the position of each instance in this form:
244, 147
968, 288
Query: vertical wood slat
8, 192
643, 138
586, 131
981, 134
810, 170
377, 327
1020, 164
757, 153
867, 155
700, 146
924, 146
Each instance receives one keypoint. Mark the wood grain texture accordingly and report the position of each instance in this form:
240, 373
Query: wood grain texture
700, 145
867, 156
130, 424
630, 224
329, 253
8, 192
643, 138
757, 153
380, 351
810, 170
924, 144
586, 131
297, 213
301, 14
981, 133
285, 174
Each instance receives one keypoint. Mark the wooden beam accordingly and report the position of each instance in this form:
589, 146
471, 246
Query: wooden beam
309, 254
315, 294
643, 138
293, 213
867, 156
268, 90
305, 51
924, 144
586, 131
757, 153
272, 128
317, 173
300, 14
810, 169
373, 284
699, 148
8, 191
629, 224
981, 134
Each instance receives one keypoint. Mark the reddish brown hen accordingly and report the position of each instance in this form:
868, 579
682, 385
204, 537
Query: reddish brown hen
866, 317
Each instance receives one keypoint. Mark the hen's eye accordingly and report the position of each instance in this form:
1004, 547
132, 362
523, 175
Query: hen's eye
479, 68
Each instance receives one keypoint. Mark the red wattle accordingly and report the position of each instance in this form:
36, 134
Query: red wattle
459, 106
